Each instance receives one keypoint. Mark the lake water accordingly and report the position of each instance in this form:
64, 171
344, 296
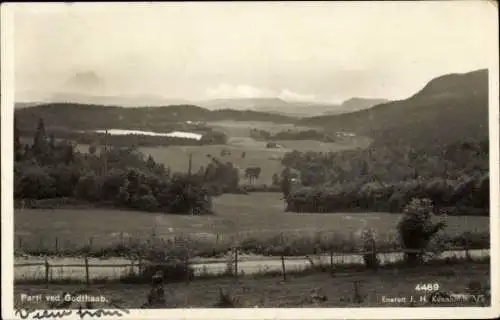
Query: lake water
246, 264
175, 134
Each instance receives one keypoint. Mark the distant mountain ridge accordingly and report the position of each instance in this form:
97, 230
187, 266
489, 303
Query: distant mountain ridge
449, 108
129, 100
268, 105
83, 116
243, 103
274, 105
292, 108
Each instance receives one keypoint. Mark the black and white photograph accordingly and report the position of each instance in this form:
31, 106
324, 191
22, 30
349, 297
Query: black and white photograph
230, 160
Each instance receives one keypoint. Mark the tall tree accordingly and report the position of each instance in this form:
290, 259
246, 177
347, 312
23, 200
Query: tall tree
276, 180
40, 140
150, 163
286, 183
18, 148
52, 142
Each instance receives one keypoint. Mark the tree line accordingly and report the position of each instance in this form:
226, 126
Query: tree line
453, 176
123, 177
208, 137
311, 134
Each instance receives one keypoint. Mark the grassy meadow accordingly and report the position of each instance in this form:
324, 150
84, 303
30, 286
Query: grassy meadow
256, 215
256, 153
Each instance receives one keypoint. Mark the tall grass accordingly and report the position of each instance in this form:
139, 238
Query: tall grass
290, 244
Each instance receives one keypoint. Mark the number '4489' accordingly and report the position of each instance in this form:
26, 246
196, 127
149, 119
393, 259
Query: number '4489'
427, 287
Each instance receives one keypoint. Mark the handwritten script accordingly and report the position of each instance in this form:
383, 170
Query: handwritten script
46, 314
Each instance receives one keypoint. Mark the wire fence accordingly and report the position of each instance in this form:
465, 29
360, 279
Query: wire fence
89, 270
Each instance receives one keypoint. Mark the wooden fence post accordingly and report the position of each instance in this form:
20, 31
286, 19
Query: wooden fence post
282, 240
91, 242
87, 277
283, 266
331, 262
139, 265
236, 262
47, 266
374, 255
186, 267
20, 242
57, 245
467, 253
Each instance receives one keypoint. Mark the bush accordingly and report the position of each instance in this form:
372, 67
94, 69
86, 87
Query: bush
35, 183
89, 188
172, 261
369, 244
174, 271
112, 184
65, 178
397, 201
54, 203
214, 137
146, 202
481, 196
394, 197
187, 196
416, 228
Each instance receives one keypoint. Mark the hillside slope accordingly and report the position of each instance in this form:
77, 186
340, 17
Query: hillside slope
130, 100
81, 116
272, 105
357, 104
449, 108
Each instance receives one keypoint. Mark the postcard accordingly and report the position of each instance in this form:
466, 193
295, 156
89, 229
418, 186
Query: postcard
250, 160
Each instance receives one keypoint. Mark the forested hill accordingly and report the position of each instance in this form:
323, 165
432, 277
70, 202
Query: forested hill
84, 116
449, 108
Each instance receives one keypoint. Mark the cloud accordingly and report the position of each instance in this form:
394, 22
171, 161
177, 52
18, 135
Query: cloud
237, 91
290, 95
227, 91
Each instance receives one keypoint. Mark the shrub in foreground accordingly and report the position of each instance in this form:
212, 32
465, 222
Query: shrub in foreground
416, 229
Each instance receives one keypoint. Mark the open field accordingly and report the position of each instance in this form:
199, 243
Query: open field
176, 157
242, 128
256, 153
297, 291
252, 215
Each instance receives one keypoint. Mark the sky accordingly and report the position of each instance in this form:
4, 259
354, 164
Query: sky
297, 51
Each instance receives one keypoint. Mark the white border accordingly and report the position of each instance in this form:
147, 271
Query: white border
7, 99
